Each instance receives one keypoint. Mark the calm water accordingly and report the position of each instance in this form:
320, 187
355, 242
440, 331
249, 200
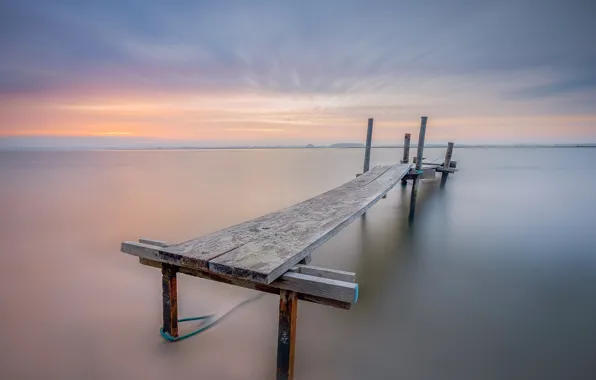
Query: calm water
495, 280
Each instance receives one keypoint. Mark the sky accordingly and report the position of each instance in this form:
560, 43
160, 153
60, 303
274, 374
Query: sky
216, 73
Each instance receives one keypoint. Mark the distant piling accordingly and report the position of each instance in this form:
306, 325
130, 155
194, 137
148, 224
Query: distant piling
419, 156
420, 150
406, 158
447, 163
368, 146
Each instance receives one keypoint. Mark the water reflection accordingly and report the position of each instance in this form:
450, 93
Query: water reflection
494, 280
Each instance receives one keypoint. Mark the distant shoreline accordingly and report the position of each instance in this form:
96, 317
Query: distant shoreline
459, 146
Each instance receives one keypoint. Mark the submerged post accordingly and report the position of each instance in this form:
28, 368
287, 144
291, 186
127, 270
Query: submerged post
406, 158
420, 150
447, 163
286, 335
368, 145
170, 299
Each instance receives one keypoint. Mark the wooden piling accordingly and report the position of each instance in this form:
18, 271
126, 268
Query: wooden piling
419, 157
406, 157
286, 336
446, 163
368, 146
420, 150
170, 299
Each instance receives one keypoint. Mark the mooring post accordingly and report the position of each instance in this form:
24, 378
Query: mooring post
406, 157
447, 163
368, 145
170, 299
419, 153
286, 335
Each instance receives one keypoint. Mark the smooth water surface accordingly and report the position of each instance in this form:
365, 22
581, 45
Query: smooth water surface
496, 279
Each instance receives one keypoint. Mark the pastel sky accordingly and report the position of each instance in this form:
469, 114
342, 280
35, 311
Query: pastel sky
296, 72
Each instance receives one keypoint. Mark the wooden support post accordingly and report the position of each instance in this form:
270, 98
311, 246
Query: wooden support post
368, 146
305, 261
446, 163
286, 336
406, 157
420, 150
170, 299
419, 158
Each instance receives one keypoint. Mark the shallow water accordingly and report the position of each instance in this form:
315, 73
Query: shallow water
495, 279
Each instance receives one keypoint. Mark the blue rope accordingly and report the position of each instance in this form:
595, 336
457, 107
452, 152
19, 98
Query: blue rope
211, 321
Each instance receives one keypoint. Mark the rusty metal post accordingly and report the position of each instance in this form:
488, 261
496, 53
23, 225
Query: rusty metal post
170, 299
446, 163
368, 146
286, 336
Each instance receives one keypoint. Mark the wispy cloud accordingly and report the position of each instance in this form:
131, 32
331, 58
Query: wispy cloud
182, 67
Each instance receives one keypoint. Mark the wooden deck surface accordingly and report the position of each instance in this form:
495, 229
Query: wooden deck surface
264, 248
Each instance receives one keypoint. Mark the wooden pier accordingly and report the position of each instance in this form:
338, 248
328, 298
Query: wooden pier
271, 253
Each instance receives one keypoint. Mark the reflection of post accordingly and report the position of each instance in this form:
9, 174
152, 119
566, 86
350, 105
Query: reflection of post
413, 199
286, 335
447, 163
368, 145
406, 157
170, 299
420, 150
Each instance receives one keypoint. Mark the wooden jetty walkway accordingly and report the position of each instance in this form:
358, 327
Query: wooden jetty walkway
271, 253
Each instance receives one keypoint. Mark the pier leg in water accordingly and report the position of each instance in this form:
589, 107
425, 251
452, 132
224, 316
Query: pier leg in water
446, 163
170, 299
413, 200
286, 336
406, 158
420, 150
369, 132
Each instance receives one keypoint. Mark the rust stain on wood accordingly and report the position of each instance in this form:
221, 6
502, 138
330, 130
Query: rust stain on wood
170, 299
286, 342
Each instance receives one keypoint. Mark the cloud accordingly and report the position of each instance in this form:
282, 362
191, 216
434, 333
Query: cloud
302, 63
303, 47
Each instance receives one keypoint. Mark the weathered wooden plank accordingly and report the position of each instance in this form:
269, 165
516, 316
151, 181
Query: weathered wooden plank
332, 274
452, 164
158, 243
323, 287
265, 259
427, 173
197, 252
274, 288
441, 169
369, 132
286, 335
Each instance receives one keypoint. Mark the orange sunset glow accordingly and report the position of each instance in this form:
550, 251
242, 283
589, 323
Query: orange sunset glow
254, 82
